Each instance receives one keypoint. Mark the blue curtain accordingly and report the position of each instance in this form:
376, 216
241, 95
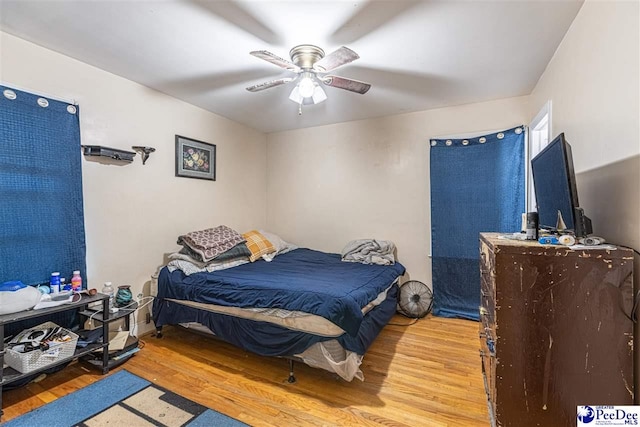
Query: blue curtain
41, 212
477, 185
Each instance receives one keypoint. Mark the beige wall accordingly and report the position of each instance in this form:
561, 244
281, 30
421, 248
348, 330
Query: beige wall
369, 179
593, 82
134, 213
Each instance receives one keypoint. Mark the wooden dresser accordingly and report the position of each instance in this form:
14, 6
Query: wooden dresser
555, 330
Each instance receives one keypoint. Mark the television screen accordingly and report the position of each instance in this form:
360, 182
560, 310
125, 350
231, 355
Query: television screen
555, 188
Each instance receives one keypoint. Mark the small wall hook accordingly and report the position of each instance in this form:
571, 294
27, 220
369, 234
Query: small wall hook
144, 151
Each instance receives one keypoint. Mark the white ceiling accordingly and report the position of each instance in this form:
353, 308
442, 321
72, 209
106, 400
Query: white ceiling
417, 55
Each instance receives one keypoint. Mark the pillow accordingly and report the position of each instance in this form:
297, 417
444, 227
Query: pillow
280, 245
24, 298
257, 244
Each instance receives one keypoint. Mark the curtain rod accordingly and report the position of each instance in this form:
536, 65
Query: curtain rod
466, 135
39, 93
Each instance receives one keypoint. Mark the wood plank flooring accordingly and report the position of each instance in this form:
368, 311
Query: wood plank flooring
425, 374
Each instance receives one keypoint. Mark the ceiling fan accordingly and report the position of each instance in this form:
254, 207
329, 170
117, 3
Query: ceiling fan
312, 66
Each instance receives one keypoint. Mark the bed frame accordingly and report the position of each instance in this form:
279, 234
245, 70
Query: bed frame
380, 315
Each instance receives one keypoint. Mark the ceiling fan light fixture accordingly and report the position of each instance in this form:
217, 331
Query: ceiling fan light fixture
307, 91
295, 95
306, 86
318, 94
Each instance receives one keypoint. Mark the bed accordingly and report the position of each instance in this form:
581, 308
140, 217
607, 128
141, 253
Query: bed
304, 305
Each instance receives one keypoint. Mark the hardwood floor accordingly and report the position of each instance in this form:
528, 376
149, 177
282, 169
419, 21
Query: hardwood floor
425, 374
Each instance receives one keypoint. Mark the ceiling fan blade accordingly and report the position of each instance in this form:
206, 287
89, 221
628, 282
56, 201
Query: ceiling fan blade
348, 84
342, 56
276, 60
267, 85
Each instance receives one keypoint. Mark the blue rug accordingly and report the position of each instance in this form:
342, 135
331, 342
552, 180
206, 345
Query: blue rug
123, 399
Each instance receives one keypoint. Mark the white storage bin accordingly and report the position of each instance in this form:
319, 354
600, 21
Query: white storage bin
37, 359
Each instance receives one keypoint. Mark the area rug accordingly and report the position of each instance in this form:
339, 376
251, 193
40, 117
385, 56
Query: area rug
123, 399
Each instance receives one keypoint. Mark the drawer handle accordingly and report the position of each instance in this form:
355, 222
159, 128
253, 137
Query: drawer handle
491, 346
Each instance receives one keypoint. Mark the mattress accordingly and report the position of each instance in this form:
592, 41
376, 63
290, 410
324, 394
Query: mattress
269, 339
306, 304
302, 280
294, 320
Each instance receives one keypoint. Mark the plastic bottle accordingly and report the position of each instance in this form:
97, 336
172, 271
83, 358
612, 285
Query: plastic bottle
64, 286
76, 281
108, 290
54, 282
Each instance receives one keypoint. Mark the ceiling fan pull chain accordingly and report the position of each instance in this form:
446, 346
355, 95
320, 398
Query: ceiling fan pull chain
300, 109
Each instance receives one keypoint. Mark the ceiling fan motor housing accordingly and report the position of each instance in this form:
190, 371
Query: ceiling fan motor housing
305, 55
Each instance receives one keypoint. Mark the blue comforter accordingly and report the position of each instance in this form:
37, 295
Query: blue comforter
301, 280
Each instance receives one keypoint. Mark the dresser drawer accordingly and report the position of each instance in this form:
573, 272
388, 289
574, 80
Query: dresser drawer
488, 371
488, 308
487, 273
487, 334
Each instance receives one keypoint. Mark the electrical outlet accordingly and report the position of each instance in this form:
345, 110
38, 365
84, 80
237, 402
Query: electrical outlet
148, 318
139, 297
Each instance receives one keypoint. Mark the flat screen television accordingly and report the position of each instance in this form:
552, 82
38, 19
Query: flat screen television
554, 182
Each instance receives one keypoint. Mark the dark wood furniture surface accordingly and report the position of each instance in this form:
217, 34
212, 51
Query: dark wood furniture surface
9, 375
555, 330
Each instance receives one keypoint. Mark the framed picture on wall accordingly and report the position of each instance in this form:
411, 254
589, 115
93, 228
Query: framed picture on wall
195, 159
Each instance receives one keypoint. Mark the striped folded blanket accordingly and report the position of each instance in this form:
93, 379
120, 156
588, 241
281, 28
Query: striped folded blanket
211, 242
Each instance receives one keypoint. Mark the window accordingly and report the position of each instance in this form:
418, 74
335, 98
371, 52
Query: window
539, 137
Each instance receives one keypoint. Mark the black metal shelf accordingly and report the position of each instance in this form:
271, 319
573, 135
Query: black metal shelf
112, 153
96, 354
116, 357
10, 375
99, 315
29, 314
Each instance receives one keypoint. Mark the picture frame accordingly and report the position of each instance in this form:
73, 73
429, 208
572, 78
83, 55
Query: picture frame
195, 159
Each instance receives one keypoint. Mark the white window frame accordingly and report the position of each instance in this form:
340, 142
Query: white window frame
538, 137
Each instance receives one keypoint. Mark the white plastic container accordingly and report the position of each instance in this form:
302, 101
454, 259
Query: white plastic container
108, 290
